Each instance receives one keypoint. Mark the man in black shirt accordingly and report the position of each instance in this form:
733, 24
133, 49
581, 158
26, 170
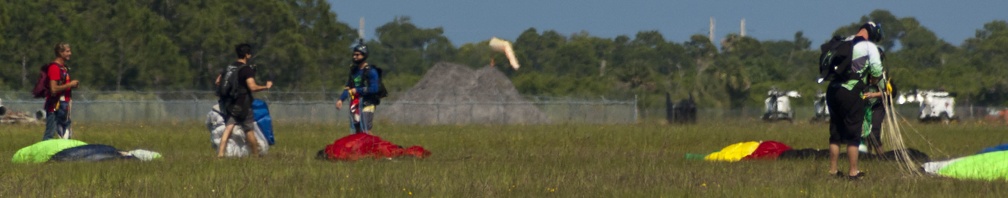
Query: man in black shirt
239, 110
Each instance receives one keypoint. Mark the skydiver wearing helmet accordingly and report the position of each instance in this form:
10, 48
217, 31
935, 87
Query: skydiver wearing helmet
845, 99
362, 89
876, 90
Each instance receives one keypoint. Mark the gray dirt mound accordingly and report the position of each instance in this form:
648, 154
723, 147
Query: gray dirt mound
455, 94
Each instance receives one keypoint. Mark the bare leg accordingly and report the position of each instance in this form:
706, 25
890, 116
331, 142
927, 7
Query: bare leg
253, 142
852, 157
222, 147
834, 151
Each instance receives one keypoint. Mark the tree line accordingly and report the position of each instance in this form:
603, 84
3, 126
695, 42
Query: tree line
183, 45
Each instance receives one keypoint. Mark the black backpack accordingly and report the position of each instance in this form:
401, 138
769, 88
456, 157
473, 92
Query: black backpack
835, 59
229, 88
382, 92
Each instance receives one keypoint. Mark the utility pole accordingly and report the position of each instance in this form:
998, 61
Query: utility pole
360, 28
710, 33
742, 28
601, 69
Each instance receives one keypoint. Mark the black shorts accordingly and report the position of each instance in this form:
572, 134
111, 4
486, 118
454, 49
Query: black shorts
847, 111
242, 118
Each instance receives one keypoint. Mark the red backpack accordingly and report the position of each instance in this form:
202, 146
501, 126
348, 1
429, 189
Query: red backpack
41, 89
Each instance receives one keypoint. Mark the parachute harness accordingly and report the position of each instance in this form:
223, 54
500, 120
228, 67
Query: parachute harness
356, 114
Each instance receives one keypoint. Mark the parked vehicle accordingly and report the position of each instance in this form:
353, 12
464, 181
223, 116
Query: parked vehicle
934, 105
3, 110
821, 109
778, 105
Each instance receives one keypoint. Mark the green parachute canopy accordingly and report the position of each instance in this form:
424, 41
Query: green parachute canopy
41, 152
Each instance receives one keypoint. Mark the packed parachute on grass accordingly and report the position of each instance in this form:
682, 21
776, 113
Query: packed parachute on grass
772, 150
237, 145
363, 145
989, 164
64, 150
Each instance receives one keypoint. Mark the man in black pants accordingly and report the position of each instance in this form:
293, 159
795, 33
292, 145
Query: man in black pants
844, 98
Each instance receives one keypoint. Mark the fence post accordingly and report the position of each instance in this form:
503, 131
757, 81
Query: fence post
570, 111
605, 110
195, 109
503, 108
471, 114
636, 112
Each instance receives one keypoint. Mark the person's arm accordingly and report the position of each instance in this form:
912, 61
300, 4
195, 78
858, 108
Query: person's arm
346, 93
874, 61
253, 87
249, 75
872, 95
874, 69
346, 90
54, 87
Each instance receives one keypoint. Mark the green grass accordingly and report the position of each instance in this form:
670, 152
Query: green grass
644, 160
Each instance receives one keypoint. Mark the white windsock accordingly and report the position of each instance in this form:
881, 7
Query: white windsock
501, 45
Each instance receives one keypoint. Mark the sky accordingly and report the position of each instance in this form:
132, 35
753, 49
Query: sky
468, 21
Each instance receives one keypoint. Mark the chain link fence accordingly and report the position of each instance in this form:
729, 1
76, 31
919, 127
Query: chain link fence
186, 106
804, 114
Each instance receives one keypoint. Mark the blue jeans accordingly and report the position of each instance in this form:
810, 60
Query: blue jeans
57, 121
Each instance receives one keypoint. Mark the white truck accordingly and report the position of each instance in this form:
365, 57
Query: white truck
778, 105
934, 105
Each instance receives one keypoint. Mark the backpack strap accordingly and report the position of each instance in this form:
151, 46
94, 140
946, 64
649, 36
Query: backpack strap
378, 70
62, 75
364, 75
349, 82
240, 89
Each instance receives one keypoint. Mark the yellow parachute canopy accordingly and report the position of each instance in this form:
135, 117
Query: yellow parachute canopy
734, 152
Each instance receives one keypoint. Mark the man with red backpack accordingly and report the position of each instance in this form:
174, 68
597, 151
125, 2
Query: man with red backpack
57, 102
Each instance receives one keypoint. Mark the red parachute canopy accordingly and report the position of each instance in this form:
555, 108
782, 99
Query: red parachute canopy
768, 150
749, 151
360, 145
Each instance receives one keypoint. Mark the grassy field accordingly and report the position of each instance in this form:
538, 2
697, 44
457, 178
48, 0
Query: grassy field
644, 160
